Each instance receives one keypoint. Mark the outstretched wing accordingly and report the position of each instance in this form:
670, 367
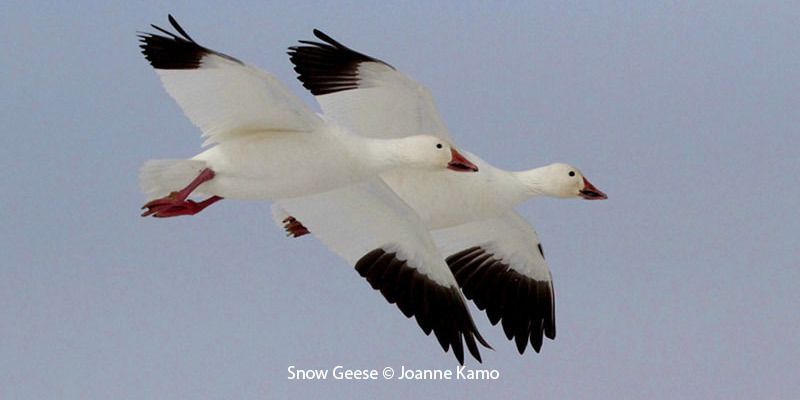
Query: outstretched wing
363, 93
370, 227
224, 97
499, 264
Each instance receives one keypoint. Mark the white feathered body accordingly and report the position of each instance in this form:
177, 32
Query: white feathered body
282, 165
444, 199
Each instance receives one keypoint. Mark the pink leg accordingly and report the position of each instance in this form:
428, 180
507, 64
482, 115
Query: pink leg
177, 203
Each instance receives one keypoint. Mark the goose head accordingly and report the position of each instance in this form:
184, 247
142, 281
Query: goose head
430, 152
561, 180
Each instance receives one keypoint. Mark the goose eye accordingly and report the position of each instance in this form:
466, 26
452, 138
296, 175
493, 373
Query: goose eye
571, 173
439, 145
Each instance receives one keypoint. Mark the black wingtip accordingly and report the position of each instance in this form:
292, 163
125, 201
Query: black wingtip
178, 28
327, 67
473, 348
327, 39
524, 306
170, 51
480, 338
550, 331
437, 308
522, 343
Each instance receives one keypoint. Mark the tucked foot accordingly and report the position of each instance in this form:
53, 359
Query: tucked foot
177, 203
172, 206
294, 228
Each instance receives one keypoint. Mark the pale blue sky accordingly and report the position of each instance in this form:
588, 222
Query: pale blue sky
682, 285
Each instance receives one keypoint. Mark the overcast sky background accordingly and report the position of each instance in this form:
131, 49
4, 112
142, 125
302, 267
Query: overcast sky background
684, 284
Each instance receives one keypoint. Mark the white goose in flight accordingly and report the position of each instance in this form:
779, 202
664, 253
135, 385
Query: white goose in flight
495, 254
268, 145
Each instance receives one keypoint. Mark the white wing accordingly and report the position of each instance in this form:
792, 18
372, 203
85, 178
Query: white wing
370, 227
499, 264
365, 94
221, 95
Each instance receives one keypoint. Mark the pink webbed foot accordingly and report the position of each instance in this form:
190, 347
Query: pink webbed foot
172, 206
177, 203
294, 228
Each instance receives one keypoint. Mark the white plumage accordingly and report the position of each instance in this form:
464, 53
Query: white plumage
267, 145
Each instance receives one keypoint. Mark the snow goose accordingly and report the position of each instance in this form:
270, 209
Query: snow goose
495, 254
267, 143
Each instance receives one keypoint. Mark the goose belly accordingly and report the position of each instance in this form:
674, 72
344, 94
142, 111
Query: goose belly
279, 166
